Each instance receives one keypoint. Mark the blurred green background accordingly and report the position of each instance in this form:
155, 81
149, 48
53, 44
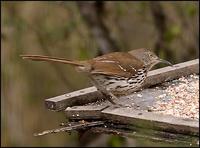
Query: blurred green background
78, 30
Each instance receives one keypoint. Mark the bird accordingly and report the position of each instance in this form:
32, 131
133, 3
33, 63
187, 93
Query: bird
113, 74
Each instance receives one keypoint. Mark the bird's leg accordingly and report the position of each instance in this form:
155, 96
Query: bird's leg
111, 97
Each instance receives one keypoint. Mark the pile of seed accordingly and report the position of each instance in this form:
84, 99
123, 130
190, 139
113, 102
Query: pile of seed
184, 98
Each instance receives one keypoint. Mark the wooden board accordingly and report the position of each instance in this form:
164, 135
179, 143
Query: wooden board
169, 73
91, 94
152, 121
79, 97
85, 112
136, 118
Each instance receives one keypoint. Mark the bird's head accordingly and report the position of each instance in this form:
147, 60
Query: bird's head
148, 57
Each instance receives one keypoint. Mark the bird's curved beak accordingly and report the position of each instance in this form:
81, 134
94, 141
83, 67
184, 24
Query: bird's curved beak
166, 62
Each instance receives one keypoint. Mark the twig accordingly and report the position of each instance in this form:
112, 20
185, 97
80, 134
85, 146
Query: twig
70, 128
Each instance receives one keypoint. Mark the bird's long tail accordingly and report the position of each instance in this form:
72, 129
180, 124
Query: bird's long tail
52, 59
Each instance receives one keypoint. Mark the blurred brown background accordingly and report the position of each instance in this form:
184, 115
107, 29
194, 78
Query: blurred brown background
78, 30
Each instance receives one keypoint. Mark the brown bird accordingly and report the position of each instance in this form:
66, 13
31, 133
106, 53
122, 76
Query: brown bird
113, 74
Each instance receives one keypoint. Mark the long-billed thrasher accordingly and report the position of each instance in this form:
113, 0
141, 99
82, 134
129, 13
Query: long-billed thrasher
113, 74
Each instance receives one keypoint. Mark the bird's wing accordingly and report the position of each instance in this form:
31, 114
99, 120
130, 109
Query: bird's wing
117, 63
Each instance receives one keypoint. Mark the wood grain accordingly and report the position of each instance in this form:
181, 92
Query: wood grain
151, 120
84, 112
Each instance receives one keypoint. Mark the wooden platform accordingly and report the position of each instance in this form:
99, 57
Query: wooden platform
89, 105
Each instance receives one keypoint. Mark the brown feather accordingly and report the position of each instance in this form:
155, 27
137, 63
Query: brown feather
117, 63
53, 59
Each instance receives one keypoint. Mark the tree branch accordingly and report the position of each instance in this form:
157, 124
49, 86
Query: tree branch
93, 12
160, 21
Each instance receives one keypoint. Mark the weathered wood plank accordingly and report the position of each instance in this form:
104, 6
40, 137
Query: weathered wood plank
84, 112
169, 73
151, 120
79, 97
91, 94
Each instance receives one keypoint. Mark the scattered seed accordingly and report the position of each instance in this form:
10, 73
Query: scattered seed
162, 96
68, 108
139, 95
184, 101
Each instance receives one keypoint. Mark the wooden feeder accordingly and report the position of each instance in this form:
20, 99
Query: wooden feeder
87, 109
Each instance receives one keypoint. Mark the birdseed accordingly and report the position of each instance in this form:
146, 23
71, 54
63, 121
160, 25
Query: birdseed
184, 98
139, 95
